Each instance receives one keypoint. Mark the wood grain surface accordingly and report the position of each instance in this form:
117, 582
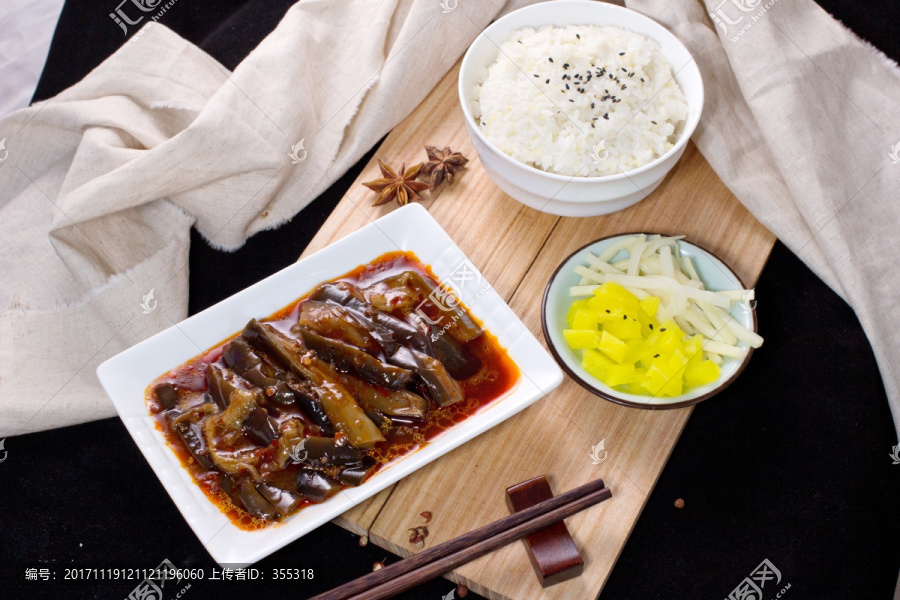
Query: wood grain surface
517, 249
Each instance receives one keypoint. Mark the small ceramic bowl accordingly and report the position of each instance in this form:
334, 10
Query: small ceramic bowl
562, 194
716, 276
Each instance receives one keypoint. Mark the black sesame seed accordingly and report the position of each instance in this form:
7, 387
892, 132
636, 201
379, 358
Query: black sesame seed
536, 75
611, 76
592, 105
567, 86
624, 317
662, 328
624, 87
592, 126
520, 41
624, 69
651, 326
606, 116
548, 81
656, 356
565, 65
607, 310
550, 59
621, 54
570, 100
578, 36
631, 74
642, 79
654, 122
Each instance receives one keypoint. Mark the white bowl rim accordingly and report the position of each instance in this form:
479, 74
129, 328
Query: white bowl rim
680, 144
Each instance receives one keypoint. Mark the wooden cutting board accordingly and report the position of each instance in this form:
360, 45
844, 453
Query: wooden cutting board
517, 249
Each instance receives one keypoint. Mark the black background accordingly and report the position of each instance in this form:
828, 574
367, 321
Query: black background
790, 463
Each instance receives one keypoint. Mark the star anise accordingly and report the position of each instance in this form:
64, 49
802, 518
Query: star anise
400, 185
443, 164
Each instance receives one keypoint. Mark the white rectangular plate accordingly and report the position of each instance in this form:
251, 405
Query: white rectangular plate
125, 377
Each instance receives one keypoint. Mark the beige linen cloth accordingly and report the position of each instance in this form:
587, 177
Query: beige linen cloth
103, 182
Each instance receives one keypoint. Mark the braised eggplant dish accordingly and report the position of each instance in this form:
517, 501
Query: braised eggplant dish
361, 371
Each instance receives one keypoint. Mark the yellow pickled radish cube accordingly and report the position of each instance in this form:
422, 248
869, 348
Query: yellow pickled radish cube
624, 328
677, 362
635, 350
612, 346
612, 296
671, 327
669, 340
580, 339
596, 363
649, 324
636, 386
659, 383
584, 318
649, 304
619, 375
578, 304
693, 349
704, 372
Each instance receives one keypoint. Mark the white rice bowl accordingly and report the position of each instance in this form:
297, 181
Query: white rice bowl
613, 126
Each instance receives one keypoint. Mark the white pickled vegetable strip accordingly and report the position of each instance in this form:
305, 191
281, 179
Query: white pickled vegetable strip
724, 349
717, 317
700, 323
665, 261
689, 268
751, 338
736, 295
621, 265
650, 265
608, 254
641, 294
634, 262
654, 283
600, 265
582, 290
590, 275
685, 326
715, 358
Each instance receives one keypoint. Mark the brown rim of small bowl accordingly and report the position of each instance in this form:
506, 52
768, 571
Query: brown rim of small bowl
597, 392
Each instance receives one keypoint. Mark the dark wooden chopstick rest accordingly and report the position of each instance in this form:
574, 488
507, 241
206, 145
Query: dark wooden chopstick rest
552, 550
445, 557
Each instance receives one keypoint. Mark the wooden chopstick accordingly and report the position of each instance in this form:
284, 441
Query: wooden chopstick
442, 558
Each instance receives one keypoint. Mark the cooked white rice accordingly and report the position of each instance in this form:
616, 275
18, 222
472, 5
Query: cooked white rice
600, 125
